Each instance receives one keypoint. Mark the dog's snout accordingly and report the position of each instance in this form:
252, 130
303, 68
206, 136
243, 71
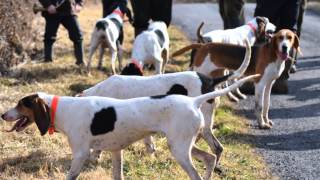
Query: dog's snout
3, 116
284, 48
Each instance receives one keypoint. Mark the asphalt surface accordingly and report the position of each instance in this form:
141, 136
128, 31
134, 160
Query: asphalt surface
292, 148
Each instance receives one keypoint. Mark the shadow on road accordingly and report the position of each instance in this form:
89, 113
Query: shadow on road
298, 141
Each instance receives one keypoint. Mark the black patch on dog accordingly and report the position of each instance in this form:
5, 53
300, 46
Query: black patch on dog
160, 37
103, 121
102, 25
159, 96
178, 89
117, 23
208, 84
132, 69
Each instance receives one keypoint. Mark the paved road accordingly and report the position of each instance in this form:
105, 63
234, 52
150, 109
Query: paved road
292, 147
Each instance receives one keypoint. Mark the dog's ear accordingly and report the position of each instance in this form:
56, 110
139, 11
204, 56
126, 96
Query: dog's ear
261, 26
296, 44
41, 115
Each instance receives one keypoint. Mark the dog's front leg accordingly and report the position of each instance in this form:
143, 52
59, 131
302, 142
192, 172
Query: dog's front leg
113, 60
259, 94
266, 103
117, 164
79, 157
93, 47
148, 142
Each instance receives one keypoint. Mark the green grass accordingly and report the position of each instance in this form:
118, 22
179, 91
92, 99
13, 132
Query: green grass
27, 155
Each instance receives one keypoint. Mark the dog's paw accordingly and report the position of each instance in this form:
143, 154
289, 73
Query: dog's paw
265, 126
270, 123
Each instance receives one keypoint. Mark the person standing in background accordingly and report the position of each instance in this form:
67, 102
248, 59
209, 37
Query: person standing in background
232, 13
62, 12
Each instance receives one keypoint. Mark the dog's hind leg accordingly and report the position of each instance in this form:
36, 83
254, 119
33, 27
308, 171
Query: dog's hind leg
148, 142
113, 60
165, 57
208, 159
101, 53
216, 147
117, 165
93, 47
120, 55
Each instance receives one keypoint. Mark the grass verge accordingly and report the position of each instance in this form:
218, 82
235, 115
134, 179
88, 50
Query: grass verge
27, 155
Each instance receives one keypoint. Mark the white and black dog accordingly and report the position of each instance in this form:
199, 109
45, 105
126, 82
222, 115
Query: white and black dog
152, 46
188, 83
106, 34
102, 123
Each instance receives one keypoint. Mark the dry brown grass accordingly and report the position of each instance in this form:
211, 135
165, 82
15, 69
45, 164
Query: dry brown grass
27, 155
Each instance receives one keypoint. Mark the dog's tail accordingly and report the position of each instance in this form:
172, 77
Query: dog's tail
102, 25
246, 61
187, 48
205, 97
199, 33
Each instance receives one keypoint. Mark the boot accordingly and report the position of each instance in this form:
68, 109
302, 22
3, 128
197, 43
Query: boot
48, 51
78, 52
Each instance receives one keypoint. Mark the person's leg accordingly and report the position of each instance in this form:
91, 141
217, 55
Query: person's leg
107, 7
141, 10
72, 25
270, 9
232, 13
51, 28
161, 11
289, 15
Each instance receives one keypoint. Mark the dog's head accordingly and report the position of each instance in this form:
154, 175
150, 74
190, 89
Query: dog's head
283, 42
133, 69
28, 110
121, 9
264, 29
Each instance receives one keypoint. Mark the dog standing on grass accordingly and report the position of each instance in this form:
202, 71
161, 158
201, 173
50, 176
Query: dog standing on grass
106, 34
152, 46
102, 123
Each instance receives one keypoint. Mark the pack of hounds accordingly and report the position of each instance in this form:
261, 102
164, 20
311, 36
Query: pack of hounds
129, 107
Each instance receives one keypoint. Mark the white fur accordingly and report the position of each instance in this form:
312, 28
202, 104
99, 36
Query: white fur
103, 38
147, 50
178, 117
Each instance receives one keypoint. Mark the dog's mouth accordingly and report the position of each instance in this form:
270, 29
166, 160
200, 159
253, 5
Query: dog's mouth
20, 125
283, 56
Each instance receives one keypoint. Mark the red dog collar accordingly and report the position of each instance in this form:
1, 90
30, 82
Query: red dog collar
252, 27
117, 11
54, 105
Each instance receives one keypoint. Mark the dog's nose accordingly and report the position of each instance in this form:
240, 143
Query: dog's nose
284, 48
2, 116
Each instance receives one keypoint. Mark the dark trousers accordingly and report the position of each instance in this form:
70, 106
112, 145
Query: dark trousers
156, 10
70, 22
232, 13
282, 13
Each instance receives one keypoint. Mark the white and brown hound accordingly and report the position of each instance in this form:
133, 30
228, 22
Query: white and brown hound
257, 30
106, 33
152, 46
102, 123
267, 60
186, 83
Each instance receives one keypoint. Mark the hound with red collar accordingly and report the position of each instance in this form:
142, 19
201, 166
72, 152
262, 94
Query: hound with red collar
102, 123
106, 34
267, 60
257, 30
152, 46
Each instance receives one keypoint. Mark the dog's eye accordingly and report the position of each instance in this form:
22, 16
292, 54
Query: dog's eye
289, 37
281, 37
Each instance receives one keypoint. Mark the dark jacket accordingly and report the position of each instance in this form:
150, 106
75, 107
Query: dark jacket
67, 7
